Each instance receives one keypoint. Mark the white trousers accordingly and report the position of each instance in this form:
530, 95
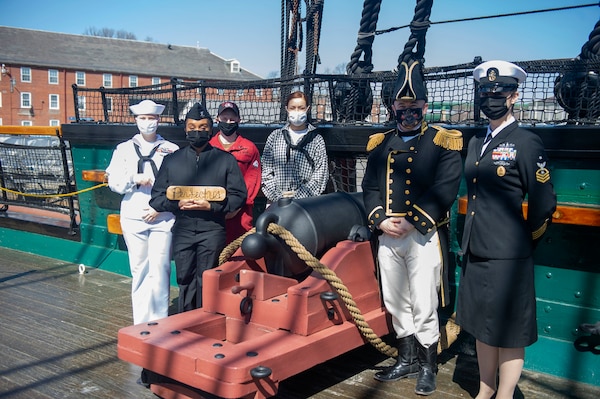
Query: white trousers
149, 249
410, 281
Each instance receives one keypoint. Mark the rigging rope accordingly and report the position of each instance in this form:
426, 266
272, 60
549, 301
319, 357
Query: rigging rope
314, 17
293, 39
379, 32
364, 43
591, 49
418, 29
578, 91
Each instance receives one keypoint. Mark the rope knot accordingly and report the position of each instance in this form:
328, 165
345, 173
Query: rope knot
419, 26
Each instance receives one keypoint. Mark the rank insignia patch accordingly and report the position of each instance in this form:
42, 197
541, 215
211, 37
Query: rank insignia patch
542, 175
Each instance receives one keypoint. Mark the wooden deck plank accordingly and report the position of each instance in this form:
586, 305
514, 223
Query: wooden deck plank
58, 335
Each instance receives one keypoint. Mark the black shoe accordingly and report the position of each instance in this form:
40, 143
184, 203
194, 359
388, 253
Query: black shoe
425, 382
427, 358
397, 372
406, 366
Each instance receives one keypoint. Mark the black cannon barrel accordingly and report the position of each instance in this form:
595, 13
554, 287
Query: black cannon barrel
318, 223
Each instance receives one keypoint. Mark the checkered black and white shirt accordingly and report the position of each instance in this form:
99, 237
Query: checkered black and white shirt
302, 168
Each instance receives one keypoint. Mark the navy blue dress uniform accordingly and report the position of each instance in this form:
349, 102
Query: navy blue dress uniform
198, 235
413, 172
417, 179
496, 300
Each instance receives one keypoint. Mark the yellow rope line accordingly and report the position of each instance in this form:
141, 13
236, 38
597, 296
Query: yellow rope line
53, 195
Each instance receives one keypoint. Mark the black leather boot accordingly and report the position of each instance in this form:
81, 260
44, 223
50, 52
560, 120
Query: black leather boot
406, 366
427, 358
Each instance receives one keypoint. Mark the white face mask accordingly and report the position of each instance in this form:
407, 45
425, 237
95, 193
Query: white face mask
147, 126
297, 118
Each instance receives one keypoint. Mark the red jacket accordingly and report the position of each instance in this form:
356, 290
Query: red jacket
248, 159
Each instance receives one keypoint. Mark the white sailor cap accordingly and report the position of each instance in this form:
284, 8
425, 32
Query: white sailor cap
147, 107
498, 76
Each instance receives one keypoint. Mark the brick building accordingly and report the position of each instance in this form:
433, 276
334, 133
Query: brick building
39, 69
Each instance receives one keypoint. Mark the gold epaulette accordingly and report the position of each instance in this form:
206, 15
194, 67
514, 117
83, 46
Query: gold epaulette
448, 139
376, 139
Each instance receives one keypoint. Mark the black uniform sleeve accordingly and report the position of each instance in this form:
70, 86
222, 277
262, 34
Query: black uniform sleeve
372, 196
538, 185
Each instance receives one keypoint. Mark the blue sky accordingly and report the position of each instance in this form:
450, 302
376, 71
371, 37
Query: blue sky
250, 31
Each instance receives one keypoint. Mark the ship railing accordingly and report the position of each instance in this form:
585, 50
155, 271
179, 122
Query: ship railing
36, 171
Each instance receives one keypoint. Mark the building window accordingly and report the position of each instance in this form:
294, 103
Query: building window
54, 122
80, 78
0, 100
107, 80
240, 92
26, 74
25, 100
109, 104
26, 123
53, 76
81, 103
155, 81
0, 121
258, 92
133, 81
235, 66
221, 92
53, 100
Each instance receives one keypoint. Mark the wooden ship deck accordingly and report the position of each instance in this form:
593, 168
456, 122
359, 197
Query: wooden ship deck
58, 339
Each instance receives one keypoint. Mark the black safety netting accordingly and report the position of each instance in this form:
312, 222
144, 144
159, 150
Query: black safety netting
555, 92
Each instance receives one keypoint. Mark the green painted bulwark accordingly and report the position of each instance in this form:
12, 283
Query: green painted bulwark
559, 358
105, 258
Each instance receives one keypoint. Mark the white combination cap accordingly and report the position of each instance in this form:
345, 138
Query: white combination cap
499, 76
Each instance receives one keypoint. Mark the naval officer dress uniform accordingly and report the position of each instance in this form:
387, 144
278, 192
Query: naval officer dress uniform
496, 298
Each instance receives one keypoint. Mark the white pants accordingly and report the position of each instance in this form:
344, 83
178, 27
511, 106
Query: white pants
149, 249
410, 281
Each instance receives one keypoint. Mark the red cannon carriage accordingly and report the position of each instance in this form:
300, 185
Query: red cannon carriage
267, 313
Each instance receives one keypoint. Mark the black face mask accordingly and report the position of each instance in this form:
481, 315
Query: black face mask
198, 138
228, 128
494, 107
409, 118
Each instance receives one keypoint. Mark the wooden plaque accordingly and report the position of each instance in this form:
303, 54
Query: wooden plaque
209, 193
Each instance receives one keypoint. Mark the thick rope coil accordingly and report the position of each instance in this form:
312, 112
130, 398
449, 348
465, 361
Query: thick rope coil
418, 29
448, 336
366, 36
591, 49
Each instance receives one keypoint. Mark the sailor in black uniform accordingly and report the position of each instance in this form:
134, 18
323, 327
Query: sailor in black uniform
412, 178
496, 297
199, 229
